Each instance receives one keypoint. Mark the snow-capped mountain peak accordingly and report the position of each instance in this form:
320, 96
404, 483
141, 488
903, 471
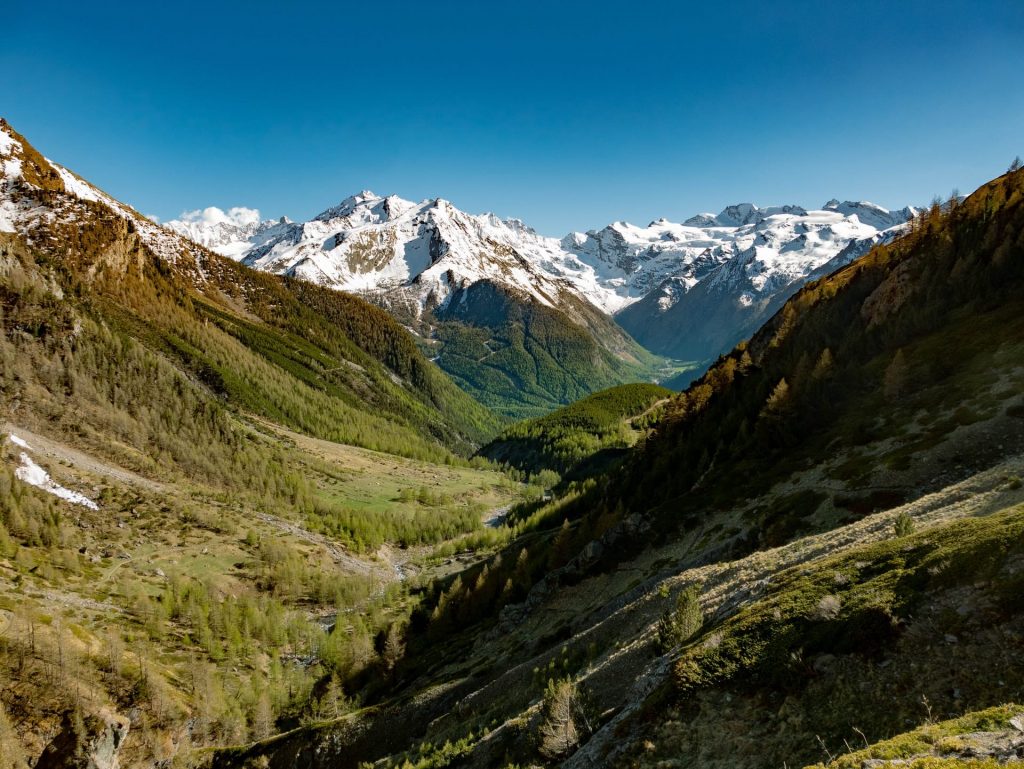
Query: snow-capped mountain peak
742, 214
869, 213
365, 206
423, 252
23, 168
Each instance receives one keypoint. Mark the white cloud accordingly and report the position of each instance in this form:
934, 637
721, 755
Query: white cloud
238, 216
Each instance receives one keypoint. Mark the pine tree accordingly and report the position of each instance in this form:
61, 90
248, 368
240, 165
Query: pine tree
333, 703
1015, 165
394, 647
521, 574
777, 400
560, 547
746, 362
904, 525
262, 716
824, 366
680, 623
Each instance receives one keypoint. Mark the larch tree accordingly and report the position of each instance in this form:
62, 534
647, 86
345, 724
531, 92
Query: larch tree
897, 374
565, 722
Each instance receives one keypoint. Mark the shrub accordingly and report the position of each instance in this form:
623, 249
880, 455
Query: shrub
827, 608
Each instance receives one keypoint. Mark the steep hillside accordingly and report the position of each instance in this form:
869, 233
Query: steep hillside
314, 359
584, 438
522, 359
925, 624
855, 373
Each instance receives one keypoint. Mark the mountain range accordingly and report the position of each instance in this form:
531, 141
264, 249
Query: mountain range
685, 290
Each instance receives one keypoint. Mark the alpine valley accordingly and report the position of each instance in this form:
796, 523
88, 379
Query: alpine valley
401, 487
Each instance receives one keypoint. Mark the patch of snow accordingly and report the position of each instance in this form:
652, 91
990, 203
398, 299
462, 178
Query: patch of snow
8, 216
31, 473
78, 188
8, 143
19, 441
11, 168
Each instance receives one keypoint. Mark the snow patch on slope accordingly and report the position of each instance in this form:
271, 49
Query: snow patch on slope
21, 214
10, 170
167, 245
32, 474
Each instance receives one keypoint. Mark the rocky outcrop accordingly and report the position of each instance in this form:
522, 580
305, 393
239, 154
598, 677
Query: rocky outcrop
92, 742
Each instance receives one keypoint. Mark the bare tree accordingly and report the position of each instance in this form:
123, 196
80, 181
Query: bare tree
394, 647
262, 717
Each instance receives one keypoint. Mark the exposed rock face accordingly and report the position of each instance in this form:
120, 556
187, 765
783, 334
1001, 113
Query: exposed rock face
89, 743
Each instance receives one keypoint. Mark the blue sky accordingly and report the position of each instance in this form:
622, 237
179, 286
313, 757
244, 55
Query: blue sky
566, 114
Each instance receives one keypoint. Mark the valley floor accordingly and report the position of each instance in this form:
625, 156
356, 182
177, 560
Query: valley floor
97, 603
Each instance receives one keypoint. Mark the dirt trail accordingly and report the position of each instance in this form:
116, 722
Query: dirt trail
43, 447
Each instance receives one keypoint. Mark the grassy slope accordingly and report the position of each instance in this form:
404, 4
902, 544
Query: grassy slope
983, 738
922, 623
577, 438
318, 360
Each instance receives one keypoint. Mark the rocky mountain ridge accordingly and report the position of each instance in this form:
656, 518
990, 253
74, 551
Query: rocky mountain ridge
415, 257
